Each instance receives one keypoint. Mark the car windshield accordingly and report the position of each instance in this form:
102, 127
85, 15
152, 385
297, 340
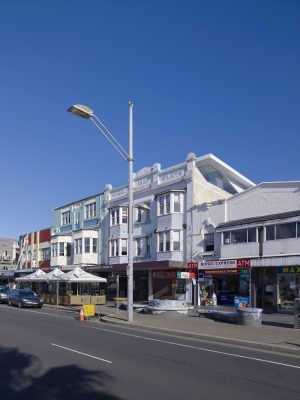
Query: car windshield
27, 293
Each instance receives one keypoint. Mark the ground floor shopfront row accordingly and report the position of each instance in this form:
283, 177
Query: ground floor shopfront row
271, 284
151, 280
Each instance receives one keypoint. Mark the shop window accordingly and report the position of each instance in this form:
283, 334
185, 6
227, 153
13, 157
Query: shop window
209, 244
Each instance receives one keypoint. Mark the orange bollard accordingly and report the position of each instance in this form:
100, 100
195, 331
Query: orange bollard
81, 315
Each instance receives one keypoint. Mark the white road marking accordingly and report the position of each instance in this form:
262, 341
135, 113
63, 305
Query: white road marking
196, 348
79, 352
39, 312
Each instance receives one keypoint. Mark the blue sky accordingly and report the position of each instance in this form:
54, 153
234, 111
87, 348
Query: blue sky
207, 76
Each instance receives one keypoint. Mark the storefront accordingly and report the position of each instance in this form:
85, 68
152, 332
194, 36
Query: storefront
151, 280
229, 280
288, 281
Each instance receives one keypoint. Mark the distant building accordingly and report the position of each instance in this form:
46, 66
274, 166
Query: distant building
35, 250
8, 258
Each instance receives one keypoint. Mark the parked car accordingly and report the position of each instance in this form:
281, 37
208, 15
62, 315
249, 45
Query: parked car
24, 298
4, 292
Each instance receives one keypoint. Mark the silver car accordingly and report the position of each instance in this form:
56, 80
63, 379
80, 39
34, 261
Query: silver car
4, 292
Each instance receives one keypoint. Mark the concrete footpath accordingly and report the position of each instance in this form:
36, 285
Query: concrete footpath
276, 333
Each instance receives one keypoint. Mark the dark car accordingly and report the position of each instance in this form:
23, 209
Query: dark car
24, 298
4, 292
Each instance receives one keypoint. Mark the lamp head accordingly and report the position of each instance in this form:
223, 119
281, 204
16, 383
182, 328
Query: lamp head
81, 111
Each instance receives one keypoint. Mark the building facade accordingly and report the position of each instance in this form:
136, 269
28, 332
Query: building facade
34, 251
256, 247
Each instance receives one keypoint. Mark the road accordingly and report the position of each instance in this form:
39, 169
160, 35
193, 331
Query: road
49, 354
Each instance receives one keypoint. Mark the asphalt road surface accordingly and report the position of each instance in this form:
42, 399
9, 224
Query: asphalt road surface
48, 354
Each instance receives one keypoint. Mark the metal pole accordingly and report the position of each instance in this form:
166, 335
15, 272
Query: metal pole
117, 278
130, 222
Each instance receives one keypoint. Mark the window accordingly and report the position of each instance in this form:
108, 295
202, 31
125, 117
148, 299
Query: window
252, 235
176, 203
90, 210
169, 203
168, 209
147, 246
168, 241
61, 249
226, 237
78, 246
114, 215
114, 248
239, 236
139, 246
209, 244
270, 232
95, 245
161, 241
66, 218
286, 231
283, 231
87, 247
46, 253
124, 247
124, 215
176, 240
139, 215
54, 249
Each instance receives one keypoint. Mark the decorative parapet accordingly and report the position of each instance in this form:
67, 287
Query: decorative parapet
172, 176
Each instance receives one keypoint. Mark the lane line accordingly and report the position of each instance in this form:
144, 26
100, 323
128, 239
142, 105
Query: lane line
79, 352
39, 312
196, 348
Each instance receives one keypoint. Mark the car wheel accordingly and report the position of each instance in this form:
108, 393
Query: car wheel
20, 305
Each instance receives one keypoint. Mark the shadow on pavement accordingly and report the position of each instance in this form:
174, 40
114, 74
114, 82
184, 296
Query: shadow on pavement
22, 377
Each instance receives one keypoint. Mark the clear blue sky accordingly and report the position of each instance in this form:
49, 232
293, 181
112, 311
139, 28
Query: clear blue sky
207, 76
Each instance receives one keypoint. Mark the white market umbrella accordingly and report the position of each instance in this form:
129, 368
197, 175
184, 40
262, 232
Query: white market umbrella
37, 276
78, 275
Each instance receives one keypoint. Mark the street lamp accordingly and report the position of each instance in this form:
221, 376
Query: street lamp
87, 113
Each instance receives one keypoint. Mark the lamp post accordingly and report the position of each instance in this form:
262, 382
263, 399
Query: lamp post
87, 113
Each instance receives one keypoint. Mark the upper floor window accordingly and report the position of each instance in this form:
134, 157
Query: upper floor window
61, 249
288, 230
143, 214
239, 236
45, 253
124, 211
170, 203
78, 246
114, 217
142, 246
54, 247
118, 247
87, 246
209, 244
169, 241
95, 245
66, 218
90, 210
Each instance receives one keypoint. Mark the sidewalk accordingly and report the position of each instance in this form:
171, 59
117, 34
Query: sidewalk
276, 333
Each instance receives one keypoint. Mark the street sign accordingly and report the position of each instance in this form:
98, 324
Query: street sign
89, 310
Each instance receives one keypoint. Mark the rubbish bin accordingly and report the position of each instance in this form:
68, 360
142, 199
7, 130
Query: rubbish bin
249, 316
297, 313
